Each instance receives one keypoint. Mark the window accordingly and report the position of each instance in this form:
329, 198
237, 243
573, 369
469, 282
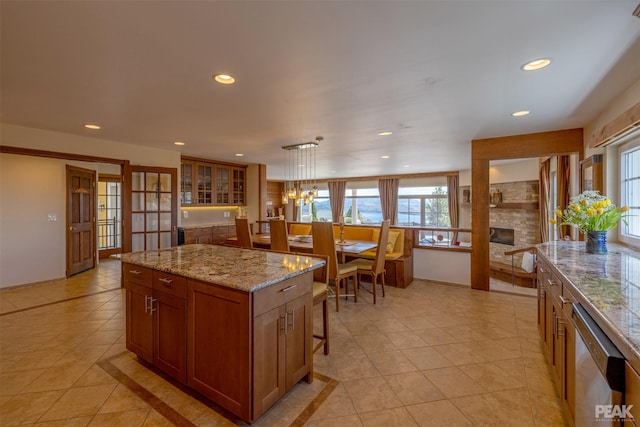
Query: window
109, 213
362, 206
630, 190
318, 210
423, 206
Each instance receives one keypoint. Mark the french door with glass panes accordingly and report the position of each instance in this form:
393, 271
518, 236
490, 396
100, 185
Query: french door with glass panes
154, 217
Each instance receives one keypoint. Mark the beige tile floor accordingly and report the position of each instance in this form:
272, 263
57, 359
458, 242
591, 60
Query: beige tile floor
431, 354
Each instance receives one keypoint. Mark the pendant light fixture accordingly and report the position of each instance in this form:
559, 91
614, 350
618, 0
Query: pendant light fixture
300, 172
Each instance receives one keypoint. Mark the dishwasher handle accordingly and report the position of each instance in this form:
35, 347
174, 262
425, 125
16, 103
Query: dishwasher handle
606, 355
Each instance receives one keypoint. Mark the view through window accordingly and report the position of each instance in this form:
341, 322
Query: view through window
425, 206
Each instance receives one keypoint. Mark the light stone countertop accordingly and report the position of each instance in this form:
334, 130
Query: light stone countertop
243, 269
607, 285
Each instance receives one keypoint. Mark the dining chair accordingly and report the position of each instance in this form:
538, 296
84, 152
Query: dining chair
320, 295
243, 233
374, 268
279, 235
324, 244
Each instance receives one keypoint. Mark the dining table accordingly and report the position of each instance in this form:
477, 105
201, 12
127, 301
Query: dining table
305, 244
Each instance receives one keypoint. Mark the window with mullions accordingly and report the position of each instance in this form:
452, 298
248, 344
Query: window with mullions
423, 206
630, 190
362, 206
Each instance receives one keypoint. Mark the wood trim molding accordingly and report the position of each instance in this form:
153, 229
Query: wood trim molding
215, 162
409, 175
59, 155
615, 127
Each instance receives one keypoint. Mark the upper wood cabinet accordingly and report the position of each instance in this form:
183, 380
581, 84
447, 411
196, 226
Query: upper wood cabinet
205, 183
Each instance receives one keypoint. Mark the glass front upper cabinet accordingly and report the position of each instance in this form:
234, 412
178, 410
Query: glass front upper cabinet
211, 184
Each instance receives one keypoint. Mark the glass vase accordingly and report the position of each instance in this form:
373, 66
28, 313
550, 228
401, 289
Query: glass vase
596, 242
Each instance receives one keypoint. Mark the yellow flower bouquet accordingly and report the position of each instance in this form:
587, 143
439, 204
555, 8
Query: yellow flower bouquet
589, 211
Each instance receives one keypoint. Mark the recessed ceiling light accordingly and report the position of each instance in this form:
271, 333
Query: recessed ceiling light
536, 64
333, 171
384, 157
224, 79
385, 133
520, 113
239, 154
91, 126
405, 166
179, 143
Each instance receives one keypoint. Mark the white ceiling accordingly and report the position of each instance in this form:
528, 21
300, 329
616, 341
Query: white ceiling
436, 73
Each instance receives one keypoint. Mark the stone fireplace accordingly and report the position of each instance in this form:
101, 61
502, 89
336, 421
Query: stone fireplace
517, 213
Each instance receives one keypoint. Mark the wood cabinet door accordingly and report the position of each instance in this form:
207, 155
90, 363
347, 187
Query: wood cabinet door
186, 183
542, 324
269, 341
299, 332
170, 335
239, 186
218, 345
223, 185
557, 352
569, 380
139, 322
205, 183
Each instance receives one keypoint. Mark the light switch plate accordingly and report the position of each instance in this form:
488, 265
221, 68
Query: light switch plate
227, 214
185, 214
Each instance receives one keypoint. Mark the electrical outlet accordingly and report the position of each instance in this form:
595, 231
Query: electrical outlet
51, 217
185, 214
227, 214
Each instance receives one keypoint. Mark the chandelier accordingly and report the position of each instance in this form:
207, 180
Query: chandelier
300, 172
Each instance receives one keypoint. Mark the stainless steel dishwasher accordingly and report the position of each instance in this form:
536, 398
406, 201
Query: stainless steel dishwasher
599, 382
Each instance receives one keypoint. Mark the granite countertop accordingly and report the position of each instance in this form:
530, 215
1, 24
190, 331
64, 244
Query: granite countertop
607, 285
243, 269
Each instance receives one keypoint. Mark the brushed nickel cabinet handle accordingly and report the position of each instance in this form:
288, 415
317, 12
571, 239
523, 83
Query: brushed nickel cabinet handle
564, 300
136, 272
293, 319
166, 282
288, 288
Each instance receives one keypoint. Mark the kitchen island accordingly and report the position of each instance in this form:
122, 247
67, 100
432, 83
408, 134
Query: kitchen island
607, 286
233, 324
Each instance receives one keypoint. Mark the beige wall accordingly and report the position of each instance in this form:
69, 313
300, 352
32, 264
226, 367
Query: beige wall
32, 247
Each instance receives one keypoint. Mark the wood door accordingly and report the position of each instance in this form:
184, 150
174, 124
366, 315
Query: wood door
170, 335
153, 195
299, 339
81, 215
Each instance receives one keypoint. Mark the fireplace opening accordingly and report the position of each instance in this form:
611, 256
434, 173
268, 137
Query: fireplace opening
501, 235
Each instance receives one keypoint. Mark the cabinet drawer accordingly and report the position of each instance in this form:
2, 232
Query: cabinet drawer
136, 274
170, 284
275, 295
